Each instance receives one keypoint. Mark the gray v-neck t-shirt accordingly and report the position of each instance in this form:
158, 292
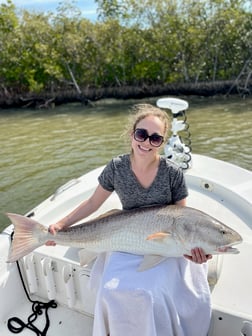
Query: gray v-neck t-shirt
168, 186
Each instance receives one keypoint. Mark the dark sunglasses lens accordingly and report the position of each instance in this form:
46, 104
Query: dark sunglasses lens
140, 135
156, 140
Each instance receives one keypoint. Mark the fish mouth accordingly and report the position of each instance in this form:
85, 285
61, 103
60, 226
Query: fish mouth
228, 249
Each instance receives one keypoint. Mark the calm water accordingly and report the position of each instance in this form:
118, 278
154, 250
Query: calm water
41, 150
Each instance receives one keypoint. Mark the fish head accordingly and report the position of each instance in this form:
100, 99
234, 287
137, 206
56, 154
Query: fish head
195, 228
216, 237
226, 237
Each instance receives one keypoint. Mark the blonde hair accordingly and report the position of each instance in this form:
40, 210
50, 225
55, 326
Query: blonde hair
141, 111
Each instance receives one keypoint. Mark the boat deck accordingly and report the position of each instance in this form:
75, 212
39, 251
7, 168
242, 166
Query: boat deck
63, 321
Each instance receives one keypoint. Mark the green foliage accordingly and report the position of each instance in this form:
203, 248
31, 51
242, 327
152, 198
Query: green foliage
134, 42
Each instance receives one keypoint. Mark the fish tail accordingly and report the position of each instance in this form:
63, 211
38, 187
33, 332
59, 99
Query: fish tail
28, 235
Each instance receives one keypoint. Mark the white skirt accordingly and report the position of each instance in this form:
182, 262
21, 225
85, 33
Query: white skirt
170, 299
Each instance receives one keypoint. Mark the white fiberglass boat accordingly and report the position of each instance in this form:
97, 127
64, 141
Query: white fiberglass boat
46, 293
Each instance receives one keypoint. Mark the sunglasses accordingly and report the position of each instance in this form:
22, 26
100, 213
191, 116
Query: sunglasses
140, 135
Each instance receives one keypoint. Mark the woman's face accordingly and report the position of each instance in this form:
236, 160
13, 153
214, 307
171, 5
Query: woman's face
153, 126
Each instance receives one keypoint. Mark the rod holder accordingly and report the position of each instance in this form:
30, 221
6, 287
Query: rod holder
67, 273
47, 268
31, 275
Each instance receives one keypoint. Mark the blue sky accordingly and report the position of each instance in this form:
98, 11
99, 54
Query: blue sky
87, 7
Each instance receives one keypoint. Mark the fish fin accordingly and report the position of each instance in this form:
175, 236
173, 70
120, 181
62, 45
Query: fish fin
158, 235
86, 257
150, 261
27, 236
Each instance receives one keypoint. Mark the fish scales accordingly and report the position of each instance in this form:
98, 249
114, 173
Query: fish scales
116, 232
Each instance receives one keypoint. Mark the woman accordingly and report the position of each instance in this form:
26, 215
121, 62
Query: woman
171, 298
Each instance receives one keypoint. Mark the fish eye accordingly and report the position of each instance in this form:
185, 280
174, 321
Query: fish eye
223, 232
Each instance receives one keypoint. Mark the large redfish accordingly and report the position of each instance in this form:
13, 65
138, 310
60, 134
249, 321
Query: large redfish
155, 232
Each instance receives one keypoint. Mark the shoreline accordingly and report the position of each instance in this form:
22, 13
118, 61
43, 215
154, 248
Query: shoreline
88, 96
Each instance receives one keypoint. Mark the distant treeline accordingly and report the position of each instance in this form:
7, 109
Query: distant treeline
133, 44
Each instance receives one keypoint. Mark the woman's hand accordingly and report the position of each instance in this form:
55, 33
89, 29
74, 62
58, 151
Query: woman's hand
198, 256
53, 229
